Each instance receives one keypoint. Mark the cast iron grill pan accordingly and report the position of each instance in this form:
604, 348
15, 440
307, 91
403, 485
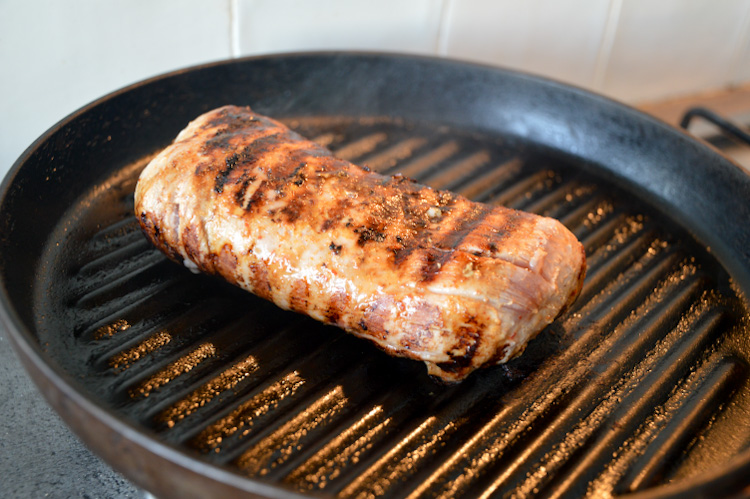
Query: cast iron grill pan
642, 384
275, 396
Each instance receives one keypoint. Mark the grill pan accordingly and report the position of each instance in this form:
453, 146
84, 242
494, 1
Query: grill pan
192, 388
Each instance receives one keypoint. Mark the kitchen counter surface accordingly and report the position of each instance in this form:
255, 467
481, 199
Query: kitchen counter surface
39, 456
728, 102
732, 104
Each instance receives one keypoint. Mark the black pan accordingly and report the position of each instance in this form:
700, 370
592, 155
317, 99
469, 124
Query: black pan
192, 388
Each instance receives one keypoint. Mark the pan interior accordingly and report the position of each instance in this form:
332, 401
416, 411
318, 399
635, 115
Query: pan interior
643, 382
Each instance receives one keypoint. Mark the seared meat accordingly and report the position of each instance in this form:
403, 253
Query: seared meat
423, 274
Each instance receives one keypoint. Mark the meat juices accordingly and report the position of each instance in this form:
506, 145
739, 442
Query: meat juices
422, 273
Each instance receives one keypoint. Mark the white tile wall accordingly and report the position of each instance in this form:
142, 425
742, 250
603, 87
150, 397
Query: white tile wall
739, 71
56, 56
266, 26
673, 47
555, 39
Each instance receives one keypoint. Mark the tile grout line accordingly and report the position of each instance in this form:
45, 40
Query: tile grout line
606, 44
732, 75
234, 30
441, 43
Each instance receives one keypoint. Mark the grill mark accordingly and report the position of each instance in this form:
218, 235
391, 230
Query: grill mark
265, 135
262, 281
295, 205
498, 356
339, 212
256, 196
376, 316
391, 203
222, 177
491, 236
452, 237
245, 180
407, 246
192, 237
224, 262
229, 125
230, 120
152, 232
337, 305
290, 178
290, 169
415, 220
432, 263
300, 295
281, 175
243, 160
468, 341
295, 187
234, 118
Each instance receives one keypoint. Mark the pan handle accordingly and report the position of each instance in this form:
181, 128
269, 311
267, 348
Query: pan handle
724, 125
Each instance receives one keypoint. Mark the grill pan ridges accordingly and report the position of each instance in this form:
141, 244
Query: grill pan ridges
627, 380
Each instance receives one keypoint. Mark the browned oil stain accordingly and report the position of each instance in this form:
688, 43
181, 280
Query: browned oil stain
184, 364
281, 444
404, 458
126, 358
210, 390
242, 419
345, 449
112, 329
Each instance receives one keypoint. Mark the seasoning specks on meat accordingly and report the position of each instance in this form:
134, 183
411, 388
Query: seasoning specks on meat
421, 273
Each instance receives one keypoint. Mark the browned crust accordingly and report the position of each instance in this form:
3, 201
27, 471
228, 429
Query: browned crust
257, 169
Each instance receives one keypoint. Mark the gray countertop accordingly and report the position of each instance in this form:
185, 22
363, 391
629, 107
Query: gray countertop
39, 456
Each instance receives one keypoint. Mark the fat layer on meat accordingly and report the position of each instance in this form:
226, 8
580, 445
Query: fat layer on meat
422, 273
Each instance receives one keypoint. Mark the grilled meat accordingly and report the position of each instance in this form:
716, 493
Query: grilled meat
422, 273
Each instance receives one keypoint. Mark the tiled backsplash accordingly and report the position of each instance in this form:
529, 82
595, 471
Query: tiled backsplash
56, 56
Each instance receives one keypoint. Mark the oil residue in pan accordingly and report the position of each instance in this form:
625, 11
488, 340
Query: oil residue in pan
642, 382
